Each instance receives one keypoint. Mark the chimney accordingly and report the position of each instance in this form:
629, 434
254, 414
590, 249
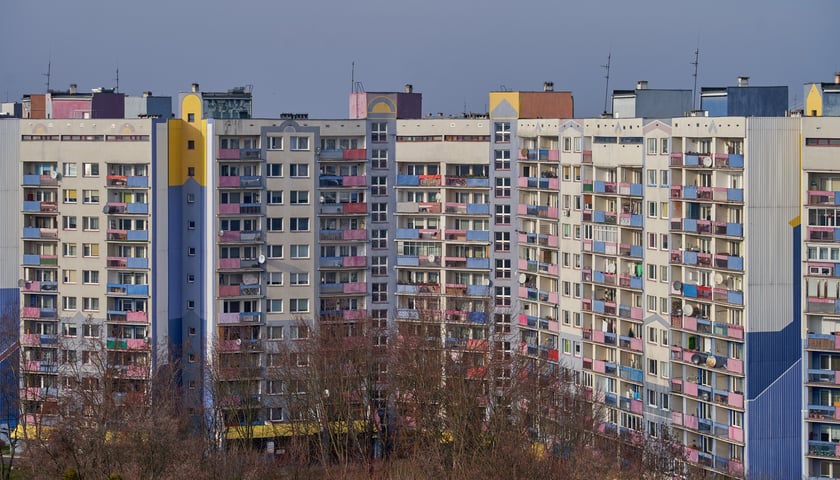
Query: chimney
147, 94
74, 89
195, 87
743, 81
548, 86
409, 88
641, 85
837, 78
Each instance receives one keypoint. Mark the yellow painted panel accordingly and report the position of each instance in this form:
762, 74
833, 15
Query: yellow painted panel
795, 222
814, 102
512, 98
381, 105
181, 133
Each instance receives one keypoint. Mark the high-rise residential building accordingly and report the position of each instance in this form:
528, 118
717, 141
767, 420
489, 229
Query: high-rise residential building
655, 254
823, 99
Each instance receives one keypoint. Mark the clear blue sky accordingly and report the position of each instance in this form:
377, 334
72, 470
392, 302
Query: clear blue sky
297, 55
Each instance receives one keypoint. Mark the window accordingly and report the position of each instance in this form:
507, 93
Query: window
69, 169
191, 225
190, 144
275, 197
191, 117
664, 369
502, 243
275, 143
274, 333
651, 271
664, 178
71, 196
379, 266
666, 401
70, 330
274, 251
190, 198
298, 170
663, 273
663, 209
190, 171
68, 222
378, 239
274, 278
502, 132
274, 170
502, 159
379, 292
299, 143
69, 249
299, 305
652, 209
190, 304
90, 169
663, 339
68, 303
274, 224
663, 146
578, 143
652, 398
300, 278
274, 305
652, 238
90, 304
191, 278
299, 224
378, 132
664, 241
69, 276
90, 223
502, 268
90, 196
379, 158
502, 215
297, 332
299, 251
503, 187
379, 212
651, 176
191, 251
652, 366
567, 144
379, 186
651, 146
299, 197
90, 276
651, 303
502, 296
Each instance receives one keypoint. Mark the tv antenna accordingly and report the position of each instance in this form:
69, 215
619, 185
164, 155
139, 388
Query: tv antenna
117, 89
696, 63
355, 87
48, 74
607, 76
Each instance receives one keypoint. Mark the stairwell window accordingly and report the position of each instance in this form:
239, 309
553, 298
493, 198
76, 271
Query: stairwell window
502, 134
379, 132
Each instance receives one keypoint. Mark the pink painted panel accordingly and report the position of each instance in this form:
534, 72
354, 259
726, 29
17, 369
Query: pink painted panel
687, 355
636, 406
230, 236
599, 366
354, 181
598, 336
523, 264
553, 270
357, 287
32, 312
553, 326
353, 315
30, 339
736, 433
229, 262
70, 108
692, 454
735, 332
554, 183
32, 287
32, 365
553, 240
736, 467
690, 421
690, 323
135, 371
522, 182
553, 212
354, 234
837, 342
553, 297
735, 365
229, 290
522, 209
736, 400
636, 313
136, 344
136, 317
677, 418
554, 155
229, 318
228, 154
690, 388
523, 319
228, 181
523, 292
228, 208
354, 261
636, 344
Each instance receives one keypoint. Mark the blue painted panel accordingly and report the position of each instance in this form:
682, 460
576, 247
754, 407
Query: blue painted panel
690, 224
689, 291
408, 180
478, 235
478, 263
31, 180
137, 235
636, 189
410, 289
735, 297
636, 220
637, 251
691, 159
478, 209
598, 306
31, 232
408, 233
137, 181
477, 317
599, 246
636, 282
29, 259
690, 192
736, 160
690, 258
31, 206
141, 208
734, 229
478, 182
735, 194
598, 276
735, 263
599, 216
133, 262
599, 186
757, 101
405, 261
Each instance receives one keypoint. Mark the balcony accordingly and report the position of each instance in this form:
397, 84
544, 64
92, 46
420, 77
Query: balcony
127, 343
240, 209
823, 234
38, 312
43, 260
237, 236
823, 412
244, 181
39, 180
821, 198
40, 233
342, 181
127, 289
542, 155
826, 342
35, 287
239, 290
818, 448
467, 182
30, 206
128, 262
824, 377
240, 317
120, 208
125, 316
239, 154
128, 181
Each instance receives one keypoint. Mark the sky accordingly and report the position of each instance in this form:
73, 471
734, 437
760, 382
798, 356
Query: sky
297, 56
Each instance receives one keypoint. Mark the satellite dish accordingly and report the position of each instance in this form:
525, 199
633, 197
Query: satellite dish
718, 278
707, 162
677, 285
54, 174
711, 360
610, 268
698, 358
688, 310
522, 278
221, 232
239, 341
261, 259
431, 258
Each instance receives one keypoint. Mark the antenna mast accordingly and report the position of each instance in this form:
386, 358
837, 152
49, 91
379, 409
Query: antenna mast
353, 77
696, 63
48, 74
117, 89
607, 76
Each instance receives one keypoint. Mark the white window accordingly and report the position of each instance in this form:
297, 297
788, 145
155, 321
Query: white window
90, 276
379, 132
651, 303
502, 159
90, 169
651, 271
652, 397
69, 169
502, 132
274, 224
69, 249
90, 223
299, 143
298, 170
301, 278
275, 197
90, 303
664, 178
299, 251
275, 278
90, 249
663, 273
299, 305
299, 224
651, 146
663, 146
68, 222
298, 331
275, 143
299, 197
68, 303
652, 331
274, 251
274, 170
652, 367
652, 209
71, 196
663, 210
90, 196
274, 305
70, 330
664, 369
379, 158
